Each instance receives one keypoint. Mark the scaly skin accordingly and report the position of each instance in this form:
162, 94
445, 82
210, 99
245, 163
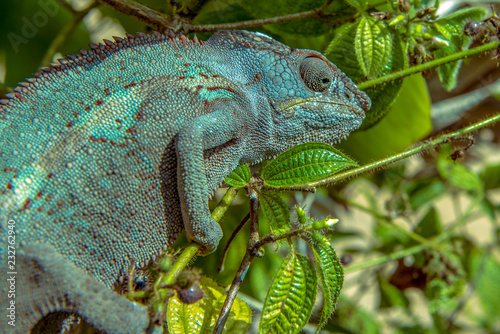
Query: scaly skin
106, 157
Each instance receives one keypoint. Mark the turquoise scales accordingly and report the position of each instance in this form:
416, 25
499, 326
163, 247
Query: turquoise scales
109, 154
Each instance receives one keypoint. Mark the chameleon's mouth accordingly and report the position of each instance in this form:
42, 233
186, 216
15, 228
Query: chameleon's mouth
288, 108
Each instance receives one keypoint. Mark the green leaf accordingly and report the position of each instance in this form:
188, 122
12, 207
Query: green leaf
486, 271
291, 297
429, 225
457, 174
453, 24
276, 212
448, 73
239, 177
490, 177
425, 191
358, 4
341, 52
373, 45
390, 295
383, 96
200, 317
331, 274
451, 27
304, 163
407, 122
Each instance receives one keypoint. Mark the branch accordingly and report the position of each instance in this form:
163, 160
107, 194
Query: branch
316, 13
155, 19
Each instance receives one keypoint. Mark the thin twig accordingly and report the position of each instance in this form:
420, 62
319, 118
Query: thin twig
65, 33
231, 238
153, 18
316, 13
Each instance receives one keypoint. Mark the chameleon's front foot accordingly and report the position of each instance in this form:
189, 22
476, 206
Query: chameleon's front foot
207, 233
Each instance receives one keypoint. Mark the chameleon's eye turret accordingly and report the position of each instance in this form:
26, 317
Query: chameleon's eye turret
317, 75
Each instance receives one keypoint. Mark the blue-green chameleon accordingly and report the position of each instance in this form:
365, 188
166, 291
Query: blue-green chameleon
108, 155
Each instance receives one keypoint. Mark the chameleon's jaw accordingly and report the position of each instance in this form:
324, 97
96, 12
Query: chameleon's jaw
288, 108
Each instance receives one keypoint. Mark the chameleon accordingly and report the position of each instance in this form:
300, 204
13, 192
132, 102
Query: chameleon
108, 155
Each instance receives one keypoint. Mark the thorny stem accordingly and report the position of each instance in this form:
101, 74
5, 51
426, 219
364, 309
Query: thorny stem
429, 65
399, 156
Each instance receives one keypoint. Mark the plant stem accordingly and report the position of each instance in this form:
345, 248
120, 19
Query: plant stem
418, 248
66, 32
182, 261
251, 252
400, 156
429, 65
143, 13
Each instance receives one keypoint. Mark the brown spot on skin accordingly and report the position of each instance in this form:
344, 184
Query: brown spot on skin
92, 138
106, 91
27, 204
118, 121
99, 102
215, 76
198, 88
204, 75
132, 84
139, 116
9, 186
131, 130
123, 68
182, 77
39, 195
177, 55
229, 89
70, 124
187, 64
49, 176
102, 140
87, 108
10, 170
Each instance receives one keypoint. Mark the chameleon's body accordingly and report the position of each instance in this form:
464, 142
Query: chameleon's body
107, 156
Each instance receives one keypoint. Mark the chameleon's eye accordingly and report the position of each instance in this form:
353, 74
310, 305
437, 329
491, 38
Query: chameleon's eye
316, 74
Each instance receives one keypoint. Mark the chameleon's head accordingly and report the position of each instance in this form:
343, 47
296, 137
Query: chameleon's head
309, 97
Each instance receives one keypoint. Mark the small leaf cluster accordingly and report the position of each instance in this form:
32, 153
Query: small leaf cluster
292, 294
388, 38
